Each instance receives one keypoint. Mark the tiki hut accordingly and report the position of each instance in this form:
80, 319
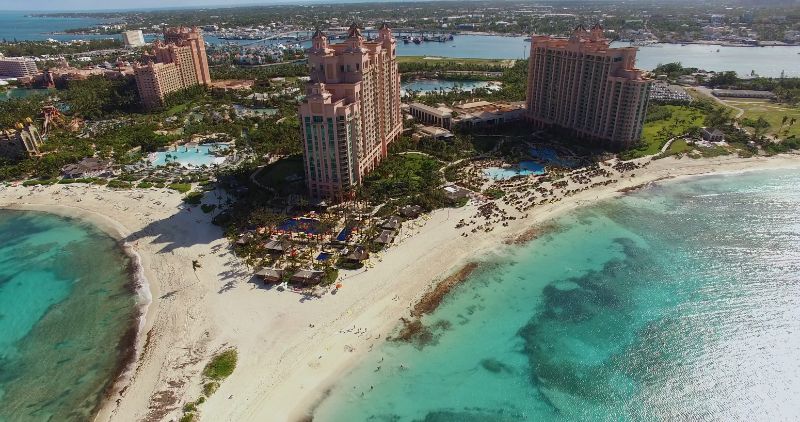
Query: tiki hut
278, 246
358, 254
307, 277
411, 211
391, 223
270, 275
386, 237
244, 239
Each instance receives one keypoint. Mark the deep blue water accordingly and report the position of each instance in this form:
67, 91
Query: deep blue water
66, 312
16, 25
679, 302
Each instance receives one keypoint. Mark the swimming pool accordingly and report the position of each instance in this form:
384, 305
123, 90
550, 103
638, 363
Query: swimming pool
300, 225
524, 168
550, 156
189, 156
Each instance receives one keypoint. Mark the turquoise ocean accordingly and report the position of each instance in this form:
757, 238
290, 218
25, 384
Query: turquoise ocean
678, 302
68, 314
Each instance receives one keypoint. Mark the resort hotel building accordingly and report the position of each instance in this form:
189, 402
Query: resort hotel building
17, 67
177, 63
351, 112
581, 85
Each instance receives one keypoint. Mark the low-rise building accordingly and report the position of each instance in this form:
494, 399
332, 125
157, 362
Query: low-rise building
437, 116
485, 113
743, 93
22, 141
88, 167
712, 135
17, 67
434, 132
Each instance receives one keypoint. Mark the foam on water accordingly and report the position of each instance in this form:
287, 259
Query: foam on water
671, 303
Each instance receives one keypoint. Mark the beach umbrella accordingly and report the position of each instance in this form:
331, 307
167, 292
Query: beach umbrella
338, 285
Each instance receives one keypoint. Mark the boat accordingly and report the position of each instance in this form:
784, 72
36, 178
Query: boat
406, 41
417, 41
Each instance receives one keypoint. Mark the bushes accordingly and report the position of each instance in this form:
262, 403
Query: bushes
221, 365
119, 184
181, 187
193, 198
210, 388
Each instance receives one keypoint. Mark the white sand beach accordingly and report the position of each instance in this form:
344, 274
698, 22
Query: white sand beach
291, 347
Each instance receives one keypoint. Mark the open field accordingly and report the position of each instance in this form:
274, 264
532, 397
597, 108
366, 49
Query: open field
772, 113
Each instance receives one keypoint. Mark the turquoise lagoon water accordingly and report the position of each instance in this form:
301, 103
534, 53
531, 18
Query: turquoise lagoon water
680, 302
524, 168
425, 86
67, 315
194, 156
22, 93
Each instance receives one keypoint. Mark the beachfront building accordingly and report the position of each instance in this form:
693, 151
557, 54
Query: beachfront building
351, 112
17, 67
582, 86
133, 38
22, 141
179, 62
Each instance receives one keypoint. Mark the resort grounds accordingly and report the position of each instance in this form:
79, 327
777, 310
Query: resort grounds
293, 346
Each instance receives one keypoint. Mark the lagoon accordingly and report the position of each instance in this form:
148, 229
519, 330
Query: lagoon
424, 86
189, 156
67, 316
525, 168
676, 302
22, 93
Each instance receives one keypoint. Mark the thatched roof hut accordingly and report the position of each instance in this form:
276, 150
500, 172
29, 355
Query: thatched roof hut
278, 246
391, 223
358, 254
307, 277
271, 275
386, 237
411, 211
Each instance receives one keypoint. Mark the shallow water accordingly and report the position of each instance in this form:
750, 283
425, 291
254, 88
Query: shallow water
678, 302
66, 309
196, 156
424, 86
524, 168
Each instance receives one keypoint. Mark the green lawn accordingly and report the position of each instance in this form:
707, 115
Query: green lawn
656, 133
772, 113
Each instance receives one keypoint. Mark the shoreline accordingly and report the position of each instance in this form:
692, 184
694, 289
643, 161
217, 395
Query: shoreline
129, 342
305, 406
279, 377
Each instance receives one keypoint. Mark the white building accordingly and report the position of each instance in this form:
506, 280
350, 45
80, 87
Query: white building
133, 38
